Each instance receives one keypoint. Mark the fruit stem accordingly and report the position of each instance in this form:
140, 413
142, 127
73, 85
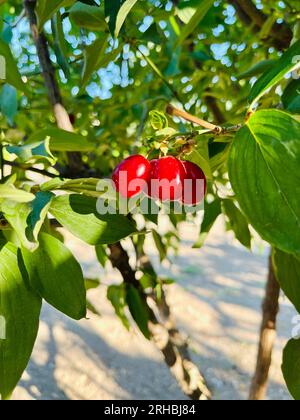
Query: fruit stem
171, 110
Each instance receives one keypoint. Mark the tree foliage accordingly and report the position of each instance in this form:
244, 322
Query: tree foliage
118, 64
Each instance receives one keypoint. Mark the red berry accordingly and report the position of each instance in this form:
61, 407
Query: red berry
166, 179
194, 184
131, 175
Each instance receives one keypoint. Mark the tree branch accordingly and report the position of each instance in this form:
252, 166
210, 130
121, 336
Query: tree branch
214, 107
280, 35
31, 169
171, 110
267, 337
164, 333
48, 72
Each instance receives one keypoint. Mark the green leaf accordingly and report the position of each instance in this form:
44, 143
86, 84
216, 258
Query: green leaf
218, 153
61, 140
59, 44
91, 284
93, 187
9, 180
20, 309
238, 223
267, 26
88, 17
33, 152
9, 103
122, 15
117, 11
117, 296
10, 192
56, 276
287, 267
111, 9
28, 218
185, 14
79, 215
138, 309
60, 35
12, 74
101, 255
65, 184
264, 172
92, 308
289, 62
200, 156
161, 247
148, 281
258, 68
158, 120
291, 97
96, 57
151, 35
3, 240
211, 212
291, 367
166, 132
191, 26
46, 9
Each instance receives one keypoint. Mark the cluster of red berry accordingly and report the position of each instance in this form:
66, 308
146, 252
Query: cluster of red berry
166, 179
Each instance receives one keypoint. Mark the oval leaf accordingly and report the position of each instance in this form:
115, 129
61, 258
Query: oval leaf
19, 311
191, 26
28, 218
264, 171
87, 16
238, 223
11, 74
291, 367
79, 215
97, 56
117, 11
56, 276
288, 275
138, 309
61, 140
45, 9
10, 192
289, 61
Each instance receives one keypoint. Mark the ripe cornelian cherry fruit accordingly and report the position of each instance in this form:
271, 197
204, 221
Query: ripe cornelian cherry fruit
194, 184
131, 176
166, 179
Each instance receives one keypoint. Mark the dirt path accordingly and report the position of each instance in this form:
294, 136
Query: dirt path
216, 301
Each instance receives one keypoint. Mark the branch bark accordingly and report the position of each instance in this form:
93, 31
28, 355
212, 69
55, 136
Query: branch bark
29, 169
52, 87
171, 110
267, 337
280, 35
214, 108
164, 333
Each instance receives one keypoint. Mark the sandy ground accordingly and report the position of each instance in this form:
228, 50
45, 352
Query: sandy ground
216, 301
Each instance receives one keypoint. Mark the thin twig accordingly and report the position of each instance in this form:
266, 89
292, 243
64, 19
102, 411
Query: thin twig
17, 21
30, 169
171, 110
